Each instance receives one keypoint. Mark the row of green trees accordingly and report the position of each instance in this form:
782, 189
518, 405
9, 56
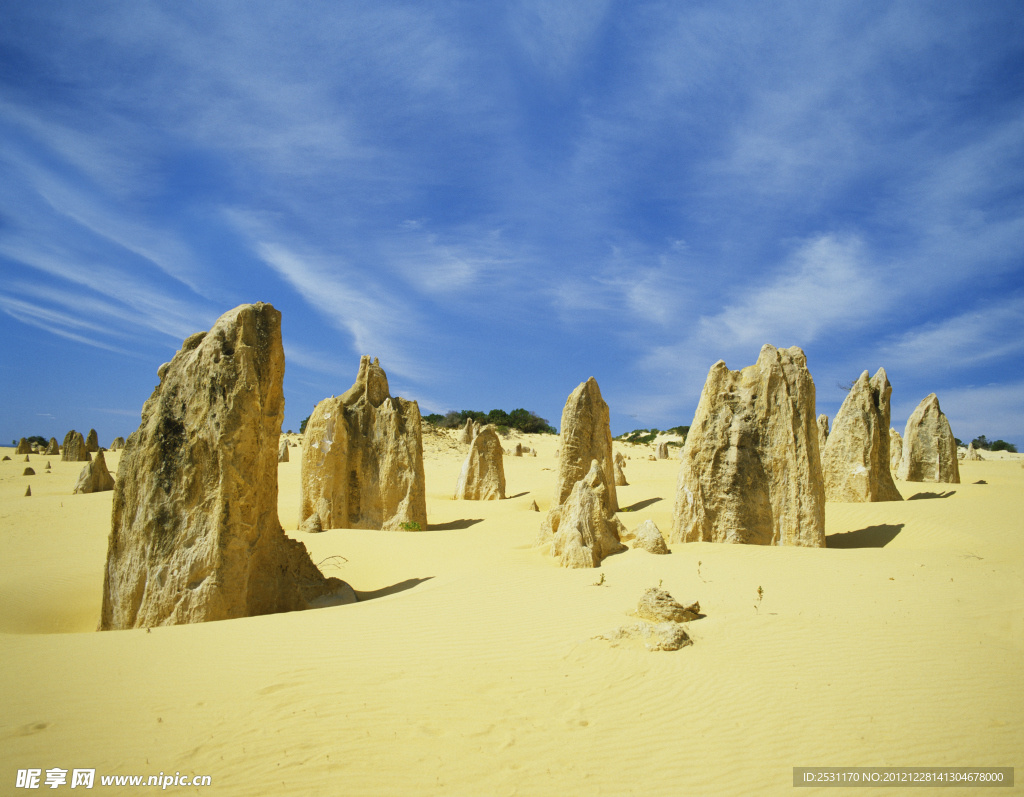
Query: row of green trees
993, 445
521, 419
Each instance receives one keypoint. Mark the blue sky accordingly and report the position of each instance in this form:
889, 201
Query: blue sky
500, 200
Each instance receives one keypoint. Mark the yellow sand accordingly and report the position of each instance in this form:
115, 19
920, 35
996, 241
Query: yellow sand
471, 667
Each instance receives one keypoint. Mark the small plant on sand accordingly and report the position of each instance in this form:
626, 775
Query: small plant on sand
760, 594
411, 525
699, 563
599, 582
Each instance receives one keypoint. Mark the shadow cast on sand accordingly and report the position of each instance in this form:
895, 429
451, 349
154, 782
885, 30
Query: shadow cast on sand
401, 586
640, 505
981, 481
870, 537
518, 495
451, 525
922, 496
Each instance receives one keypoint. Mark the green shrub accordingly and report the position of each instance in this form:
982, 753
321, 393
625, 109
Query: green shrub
411, 525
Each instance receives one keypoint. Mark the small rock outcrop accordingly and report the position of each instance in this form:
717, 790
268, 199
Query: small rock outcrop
751, 470
47, 466
929, 448
658, 606
655, 636
194, 533
483, 473
585, 532
94, 478
972, 454
52, 448
620, 473
648, 537
822, 431
5, 458
24, 447
533, 506
92, 443
74, 449
282, 451
28, 491
362, 458
895, 449
518, 450
466, 435
586, 438
661, 450
118, 444
28, 472
855, 461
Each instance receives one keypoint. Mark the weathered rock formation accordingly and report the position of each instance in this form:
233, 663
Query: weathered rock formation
282, 451
586, 438
661, 450
972, 453
518, 450
648, 537
822, 431
52, 448
94, 478
620, 474
118, 444
855, 461
194, 530
751, 470
584, 531
28, 472
74, 449
23, 447
28, 491
483, 473
895, 449
466, 435
92, 442
658, 606
533, 506
5, 458
929, 448
362, 458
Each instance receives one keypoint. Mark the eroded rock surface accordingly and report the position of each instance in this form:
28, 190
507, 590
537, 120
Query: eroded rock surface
362, 458
94, 478
194, 530
647, 536
751, 470
586, 438
74, 449
23, 447
855, 462
658, 606
92, 443
822, 431
483, 472
895, 449
929, 448
661, 450
584, 531
52, 448
282, 451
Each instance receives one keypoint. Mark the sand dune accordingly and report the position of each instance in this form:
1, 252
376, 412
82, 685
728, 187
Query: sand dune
471, 666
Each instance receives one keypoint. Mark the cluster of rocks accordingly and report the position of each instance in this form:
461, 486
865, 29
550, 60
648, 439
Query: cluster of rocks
581, 525
662, 622
362, 459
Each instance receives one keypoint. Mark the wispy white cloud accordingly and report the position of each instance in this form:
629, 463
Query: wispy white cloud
824, 286
57, 323
991, 333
